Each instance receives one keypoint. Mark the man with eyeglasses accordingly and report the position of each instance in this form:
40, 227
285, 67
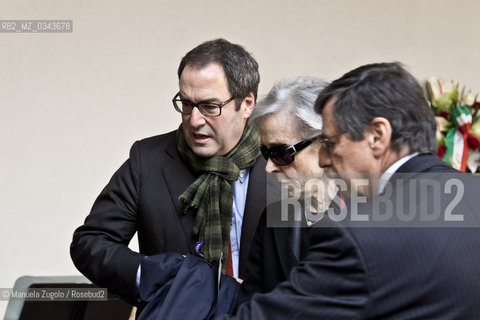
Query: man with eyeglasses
408, 249
198, 190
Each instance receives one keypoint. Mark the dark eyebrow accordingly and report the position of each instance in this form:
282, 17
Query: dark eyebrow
211, 100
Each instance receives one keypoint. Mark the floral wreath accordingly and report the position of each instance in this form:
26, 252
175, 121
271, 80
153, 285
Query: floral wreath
458, 124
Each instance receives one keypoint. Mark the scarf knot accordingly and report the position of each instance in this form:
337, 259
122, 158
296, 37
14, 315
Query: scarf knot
210, 196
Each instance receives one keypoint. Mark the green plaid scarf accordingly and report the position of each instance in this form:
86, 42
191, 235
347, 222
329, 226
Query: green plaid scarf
211, 194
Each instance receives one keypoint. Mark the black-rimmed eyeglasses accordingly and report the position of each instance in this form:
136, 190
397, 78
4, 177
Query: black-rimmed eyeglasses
208, 109
284, 155
327, 142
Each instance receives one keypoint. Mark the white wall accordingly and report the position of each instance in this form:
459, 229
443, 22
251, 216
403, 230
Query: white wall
72, 104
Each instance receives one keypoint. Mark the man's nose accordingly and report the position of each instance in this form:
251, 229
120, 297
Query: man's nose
324, 158
271, 167
197, 119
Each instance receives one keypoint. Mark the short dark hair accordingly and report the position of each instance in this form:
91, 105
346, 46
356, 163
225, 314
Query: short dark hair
382, 90
239, 66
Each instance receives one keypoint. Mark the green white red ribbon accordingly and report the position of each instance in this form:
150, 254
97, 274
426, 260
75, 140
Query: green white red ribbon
459, 140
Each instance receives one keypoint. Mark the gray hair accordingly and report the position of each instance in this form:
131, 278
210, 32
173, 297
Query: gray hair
384, 90
296, 96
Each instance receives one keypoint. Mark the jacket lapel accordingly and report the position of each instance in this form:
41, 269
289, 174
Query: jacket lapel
284, 251
178, 178
254, 205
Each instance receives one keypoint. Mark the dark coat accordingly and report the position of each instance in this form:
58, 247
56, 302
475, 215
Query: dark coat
386, 273
276, 249
143, 196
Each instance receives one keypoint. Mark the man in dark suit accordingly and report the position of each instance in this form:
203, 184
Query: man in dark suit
400, 250
197, 190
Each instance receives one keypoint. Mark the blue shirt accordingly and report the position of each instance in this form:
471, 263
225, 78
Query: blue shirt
239, 189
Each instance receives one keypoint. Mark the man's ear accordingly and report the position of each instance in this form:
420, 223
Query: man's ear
247, 106
379, 136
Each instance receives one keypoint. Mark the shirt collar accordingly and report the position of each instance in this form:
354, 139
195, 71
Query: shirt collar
243, 175
391, 170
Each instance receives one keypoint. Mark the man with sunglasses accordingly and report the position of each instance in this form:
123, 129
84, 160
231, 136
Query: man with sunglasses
289, 128
198, 190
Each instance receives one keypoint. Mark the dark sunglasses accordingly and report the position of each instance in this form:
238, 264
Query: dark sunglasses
284, 155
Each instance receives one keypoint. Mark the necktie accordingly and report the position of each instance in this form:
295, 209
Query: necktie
229, 261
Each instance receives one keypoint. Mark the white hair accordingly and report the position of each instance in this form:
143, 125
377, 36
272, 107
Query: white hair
296, 96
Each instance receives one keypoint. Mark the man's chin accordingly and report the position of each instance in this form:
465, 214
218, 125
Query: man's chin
203, 151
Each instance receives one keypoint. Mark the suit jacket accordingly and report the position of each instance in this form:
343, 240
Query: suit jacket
272, 255
385, 273
142, 196
271, 259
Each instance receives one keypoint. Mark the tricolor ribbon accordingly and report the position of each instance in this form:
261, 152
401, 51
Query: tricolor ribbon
459, 140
